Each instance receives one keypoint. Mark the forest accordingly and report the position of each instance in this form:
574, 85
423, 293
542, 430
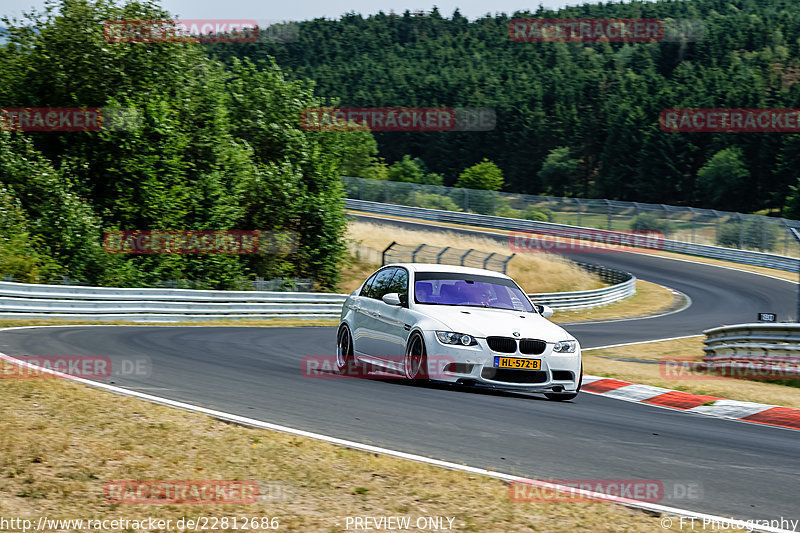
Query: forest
573, 118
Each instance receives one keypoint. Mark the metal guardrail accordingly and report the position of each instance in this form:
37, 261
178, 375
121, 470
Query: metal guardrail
20, 300
575, 232
623, 286
445, 255
771, 347
80, 292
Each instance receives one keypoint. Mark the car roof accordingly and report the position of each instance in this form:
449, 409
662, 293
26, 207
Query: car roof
435, 267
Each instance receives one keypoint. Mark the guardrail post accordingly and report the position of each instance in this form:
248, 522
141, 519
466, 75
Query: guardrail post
505, 263
440, 254
796, 234
488, 257
463, 257
741, 231
785, 240
414, 253
383, 255
666, 219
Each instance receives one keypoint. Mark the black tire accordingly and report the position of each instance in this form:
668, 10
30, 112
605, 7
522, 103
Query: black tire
415, 362
563, 396
345, 360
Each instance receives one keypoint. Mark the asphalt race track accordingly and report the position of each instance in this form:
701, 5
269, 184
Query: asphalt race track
744, 470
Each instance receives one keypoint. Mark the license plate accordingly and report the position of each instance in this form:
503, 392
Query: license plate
516, 362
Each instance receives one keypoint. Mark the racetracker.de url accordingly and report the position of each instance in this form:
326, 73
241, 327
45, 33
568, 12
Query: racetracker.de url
198, 523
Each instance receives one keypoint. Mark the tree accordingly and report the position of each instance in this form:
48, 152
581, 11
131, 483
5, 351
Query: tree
409, 170
406, 170
559, 172
484, 175
216, 148
722, 181
791, 208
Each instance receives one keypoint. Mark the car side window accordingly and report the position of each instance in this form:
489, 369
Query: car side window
367, 286
381, 284
399, 285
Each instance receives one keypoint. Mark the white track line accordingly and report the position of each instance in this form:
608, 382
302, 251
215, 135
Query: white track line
638, 342
652, 507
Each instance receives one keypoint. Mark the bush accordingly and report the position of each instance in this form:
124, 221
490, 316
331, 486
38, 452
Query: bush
505, 210
484, 175
433, 201
538, 214
483, 202
649, 221
730, 234
371, 191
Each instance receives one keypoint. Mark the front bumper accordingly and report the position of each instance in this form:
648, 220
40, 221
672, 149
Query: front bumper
474, 365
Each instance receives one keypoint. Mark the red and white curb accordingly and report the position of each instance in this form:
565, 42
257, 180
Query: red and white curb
756, 413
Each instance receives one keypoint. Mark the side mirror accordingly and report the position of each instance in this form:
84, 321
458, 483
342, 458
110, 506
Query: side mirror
354, 293
391, 298
544, 310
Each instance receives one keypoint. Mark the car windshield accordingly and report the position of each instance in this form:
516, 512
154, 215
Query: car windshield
445, 288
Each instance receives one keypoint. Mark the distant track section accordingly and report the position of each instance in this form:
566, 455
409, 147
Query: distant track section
745, 257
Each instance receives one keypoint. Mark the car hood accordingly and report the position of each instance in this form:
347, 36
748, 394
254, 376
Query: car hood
480, 322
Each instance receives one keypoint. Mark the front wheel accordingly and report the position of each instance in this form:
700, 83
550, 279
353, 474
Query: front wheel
416, 359
563, 396
345, 360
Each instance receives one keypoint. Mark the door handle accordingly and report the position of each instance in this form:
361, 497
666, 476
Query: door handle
377, 314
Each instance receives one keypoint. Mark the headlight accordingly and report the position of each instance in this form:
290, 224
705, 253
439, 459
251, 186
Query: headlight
565, 346
450, 337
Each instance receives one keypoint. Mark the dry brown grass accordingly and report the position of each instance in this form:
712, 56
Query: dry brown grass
649, 299
354, 272
62, 442
534, 272
683, 349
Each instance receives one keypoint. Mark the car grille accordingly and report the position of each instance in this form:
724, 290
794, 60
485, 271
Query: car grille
514, 376
502, 344
509, 345
532, 346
